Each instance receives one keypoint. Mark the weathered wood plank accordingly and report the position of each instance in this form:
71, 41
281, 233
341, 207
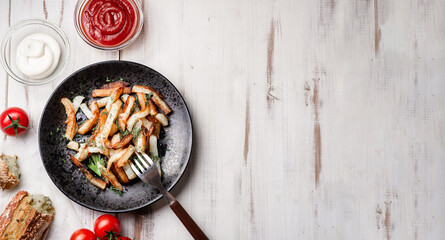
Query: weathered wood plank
4, 24
312, 119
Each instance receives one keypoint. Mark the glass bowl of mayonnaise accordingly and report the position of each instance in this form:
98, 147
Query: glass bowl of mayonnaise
34, 51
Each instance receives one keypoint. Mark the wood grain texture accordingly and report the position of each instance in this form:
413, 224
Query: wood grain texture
4, 24
312, 119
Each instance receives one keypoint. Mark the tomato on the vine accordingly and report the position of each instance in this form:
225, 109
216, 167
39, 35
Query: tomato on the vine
107, 227
14, 121
83, 234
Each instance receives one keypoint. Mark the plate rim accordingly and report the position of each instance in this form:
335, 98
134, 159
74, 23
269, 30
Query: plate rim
159, 196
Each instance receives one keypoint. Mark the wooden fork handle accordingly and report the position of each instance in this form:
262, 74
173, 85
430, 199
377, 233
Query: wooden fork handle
188, 222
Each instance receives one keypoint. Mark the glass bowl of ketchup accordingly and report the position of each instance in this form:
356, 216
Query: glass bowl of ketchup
108, 24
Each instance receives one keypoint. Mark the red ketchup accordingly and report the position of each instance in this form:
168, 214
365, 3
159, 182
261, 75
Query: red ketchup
109, 22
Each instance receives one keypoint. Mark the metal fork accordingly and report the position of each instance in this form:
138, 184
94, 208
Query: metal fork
147, 171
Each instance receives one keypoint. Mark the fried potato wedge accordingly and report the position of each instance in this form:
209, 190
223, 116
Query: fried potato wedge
108, 92
90, 123
86, 110
157, 129
116, 84
106, 128
124, 97
141, 140
83, 153
135, 116
126, 156
153, 143
102, 119
95, 181
122, 143
120, 173
76, 102
114, 97
146, 123
162, 119
103, 102
142, 99
71, 127
150, 131
73, 145
115, 158
123, 117
129, 172
110, 176
152, 119
161, 104
157, 99
116, 138
146, 90
152, 107
113, 151
114, 129
105, 151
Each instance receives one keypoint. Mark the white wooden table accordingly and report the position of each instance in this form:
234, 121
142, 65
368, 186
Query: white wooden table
313, 119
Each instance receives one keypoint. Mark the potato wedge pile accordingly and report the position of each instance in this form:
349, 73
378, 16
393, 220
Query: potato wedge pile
121, 120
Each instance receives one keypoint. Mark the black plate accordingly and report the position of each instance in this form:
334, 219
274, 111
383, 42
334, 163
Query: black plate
175, 144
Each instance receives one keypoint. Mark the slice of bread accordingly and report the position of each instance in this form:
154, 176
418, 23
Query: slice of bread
26, 217
9, 171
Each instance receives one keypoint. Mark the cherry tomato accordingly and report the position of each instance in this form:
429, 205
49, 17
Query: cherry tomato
124, 238
107, 226
14, 121
83, 234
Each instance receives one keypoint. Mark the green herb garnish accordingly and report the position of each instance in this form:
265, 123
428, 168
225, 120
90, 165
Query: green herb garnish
118, 126
108, 80
116, 190
63, 160
136, 132
99, 159
144, 185
91, 165
154, 157
148, 98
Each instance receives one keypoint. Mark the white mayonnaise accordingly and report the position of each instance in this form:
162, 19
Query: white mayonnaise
37, 55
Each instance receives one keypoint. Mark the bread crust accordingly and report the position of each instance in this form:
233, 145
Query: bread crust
22, 221
6, 216
7, 180
36, 225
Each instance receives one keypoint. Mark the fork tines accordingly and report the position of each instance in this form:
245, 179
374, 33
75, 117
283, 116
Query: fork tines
143, 164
